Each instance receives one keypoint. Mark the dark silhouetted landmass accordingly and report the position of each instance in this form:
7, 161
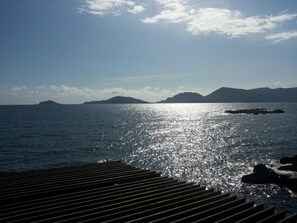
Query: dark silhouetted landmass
228, 95
254, 95
187, 97
255, 111
118, 100
264, 175
222, 95
49, 102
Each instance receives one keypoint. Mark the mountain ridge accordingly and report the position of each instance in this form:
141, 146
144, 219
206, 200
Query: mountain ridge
221, 95
225, 95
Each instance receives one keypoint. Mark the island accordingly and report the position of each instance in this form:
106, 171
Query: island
119, 100
234, 95
186, 97
49, 102
221, 95
255, 111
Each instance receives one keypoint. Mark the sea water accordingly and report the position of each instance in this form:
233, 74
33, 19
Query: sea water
192, 142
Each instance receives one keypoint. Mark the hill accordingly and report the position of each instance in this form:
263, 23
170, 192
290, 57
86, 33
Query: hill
254, 95
186, 97
225, 94
49, 102
118, 100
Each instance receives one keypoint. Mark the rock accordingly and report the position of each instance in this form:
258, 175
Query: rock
291, 184
286, 160
261, 168
277, 111
288, 168
261, 175
254, 111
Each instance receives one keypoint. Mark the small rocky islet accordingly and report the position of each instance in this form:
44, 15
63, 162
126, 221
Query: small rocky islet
255, 111
264, 175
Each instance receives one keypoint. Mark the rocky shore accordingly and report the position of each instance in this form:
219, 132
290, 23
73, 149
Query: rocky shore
264, 175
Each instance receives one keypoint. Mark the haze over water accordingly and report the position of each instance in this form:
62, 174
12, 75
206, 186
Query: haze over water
192, 142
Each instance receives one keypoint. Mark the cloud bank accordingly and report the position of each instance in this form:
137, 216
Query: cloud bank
115, 7
18, 88
231, 23
282, 36
85, 94
200, 21
73, 95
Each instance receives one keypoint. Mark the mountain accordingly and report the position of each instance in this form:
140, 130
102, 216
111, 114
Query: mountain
186, 97
225, 94
49, 102
222, 95
118, 100
276, 95
254, 95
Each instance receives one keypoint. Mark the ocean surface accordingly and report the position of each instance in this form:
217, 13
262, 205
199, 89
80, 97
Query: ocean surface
193, 142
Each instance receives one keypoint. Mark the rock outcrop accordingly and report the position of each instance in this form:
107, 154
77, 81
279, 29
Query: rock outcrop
264, 175
254, 111
261, 175
289, 160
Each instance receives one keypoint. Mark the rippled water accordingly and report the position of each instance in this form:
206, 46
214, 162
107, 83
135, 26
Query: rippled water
192, 142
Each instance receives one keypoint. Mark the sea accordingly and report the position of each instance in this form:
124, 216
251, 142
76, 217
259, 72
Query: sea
197, 143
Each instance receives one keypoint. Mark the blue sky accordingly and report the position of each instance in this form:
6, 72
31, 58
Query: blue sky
73, 51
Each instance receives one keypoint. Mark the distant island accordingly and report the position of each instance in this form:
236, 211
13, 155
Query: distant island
222, 95
119, 100
49, 102
186, 97
232, 95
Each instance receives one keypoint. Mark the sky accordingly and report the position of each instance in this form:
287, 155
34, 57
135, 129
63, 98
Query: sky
73, 51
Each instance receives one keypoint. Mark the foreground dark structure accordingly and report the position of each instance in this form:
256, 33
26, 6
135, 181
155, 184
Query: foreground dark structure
115, 192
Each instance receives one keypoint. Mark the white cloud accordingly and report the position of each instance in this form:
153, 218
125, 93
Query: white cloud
278, 37
40, 87
66, 90
146, 93
198, 20
103, 7
174, 11
18, 88
232, 23
136, 9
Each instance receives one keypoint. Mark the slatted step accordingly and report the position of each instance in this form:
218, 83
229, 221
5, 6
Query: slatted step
116, 192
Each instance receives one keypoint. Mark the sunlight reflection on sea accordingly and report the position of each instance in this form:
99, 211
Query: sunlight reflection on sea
193, 142
199, 143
